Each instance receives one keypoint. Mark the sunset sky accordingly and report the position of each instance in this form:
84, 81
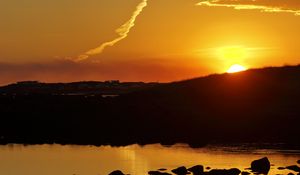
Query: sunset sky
159, 40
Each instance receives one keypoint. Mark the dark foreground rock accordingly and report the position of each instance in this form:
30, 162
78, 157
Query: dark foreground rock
261, 166
158, 173
245, 173
117, 172
196, 170
162, 169
180, 171
233, 171
294, 168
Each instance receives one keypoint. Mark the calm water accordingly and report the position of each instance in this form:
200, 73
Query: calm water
136, 160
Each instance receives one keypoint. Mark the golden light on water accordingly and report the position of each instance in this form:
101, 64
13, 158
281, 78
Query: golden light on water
134, 159
236, 68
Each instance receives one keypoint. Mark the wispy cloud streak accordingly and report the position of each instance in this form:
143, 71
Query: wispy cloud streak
249, 5
122, 31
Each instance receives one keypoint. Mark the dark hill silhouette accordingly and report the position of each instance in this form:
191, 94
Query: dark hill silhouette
259, 105
113, 87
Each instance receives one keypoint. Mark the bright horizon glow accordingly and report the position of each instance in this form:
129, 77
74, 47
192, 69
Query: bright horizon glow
236, 68
230, 55
232, 52
170, 40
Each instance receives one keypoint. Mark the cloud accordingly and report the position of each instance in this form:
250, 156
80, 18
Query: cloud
272, 6
123, 32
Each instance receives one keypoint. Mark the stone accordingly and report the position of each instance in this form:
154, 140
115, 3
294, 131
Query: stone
162, 169
261, 166
158, 173
180, 171
197, 170
245, 173
117, 172
233, 171
294, 168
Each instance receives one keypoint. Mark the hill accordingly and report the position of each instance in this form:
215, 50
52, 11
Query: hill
259, 105
112, 87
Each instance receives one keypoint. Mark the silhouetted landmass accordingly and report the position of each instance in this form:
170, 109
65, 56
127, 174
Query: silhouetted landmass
260, 105
113, 87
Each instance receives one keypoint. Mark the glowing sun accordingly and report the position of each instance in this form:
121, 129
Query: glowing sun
236, 68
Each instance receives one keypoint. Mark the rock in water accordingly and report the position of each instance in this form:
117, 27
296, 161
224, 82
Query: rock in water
162, 169
180, 171
261, 166
245, 173
294, 168
117, 172
158, 173
233, 171
281, 168
197, 170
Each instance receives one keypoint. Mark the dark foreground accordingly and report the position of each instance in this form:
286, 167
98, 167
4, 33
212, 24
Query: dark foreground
261, 166
254, 106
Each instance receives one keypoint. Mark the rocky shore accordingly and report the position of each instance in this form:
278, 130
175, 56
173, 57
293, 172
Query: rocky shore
260, 166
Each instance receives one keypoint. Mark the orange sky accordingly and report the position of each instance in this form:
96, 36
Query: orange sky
161, 40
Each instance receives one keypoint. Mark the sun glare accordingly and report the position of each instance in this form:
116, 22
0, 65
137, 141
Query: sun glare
236, 68
233, 52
